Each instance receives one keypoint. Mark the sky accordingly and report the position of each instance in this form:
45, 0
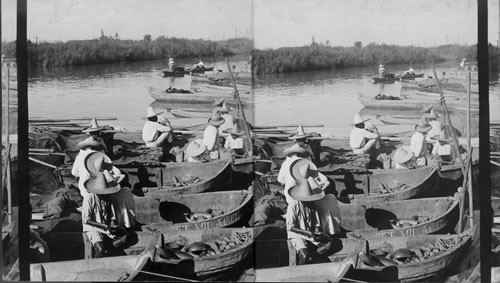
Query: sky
277, 23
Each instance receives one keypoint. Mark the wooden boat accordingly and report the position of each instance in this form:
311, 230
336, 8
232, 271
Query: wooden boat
197, 97
207, 265
209, 175
201, 70
177, 73
374, 218
425, 268
377, 80
169, 212
398, 120
411, 103
321, 272
120, 268
419, 182
187, 113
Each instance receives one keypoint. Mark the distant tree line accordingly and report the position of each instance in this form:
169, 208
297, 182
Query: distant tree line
322, 56
108, 49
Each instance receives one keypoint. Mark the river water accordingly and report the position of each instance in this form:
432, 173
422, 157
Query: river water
328, 97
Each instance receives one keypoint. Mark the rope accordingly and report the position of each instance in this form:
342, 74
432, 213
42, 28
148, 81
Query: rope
168, 276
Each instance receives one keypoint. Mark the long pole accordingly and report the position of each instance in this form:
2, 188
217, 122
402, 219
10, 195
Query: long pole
7, 130
447, 114
240, 108
469, 172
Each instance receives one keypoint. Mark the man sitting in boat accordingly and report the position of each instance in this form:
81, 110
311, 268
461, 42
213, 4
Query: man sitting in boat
410, 71
196, 151
437, 127
171, 64
313, 148
418, 143
403, 158
293, 153
310, 212
156, 132
361, 140
229, 121
442, 148
211, 138
234, 142
108, 211
95, 133
79, 170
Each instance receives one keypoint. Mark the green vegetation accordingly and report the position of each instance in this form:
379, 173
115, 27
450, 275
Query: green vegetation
109, 49
322, 56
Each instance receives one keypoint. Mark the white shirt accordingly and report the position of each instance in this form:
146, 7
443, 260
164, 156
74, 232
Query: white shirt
151, 129
418, 145
228, 123
439, 149
435, 131
231, 143
80, 171
211, 138
284, 176
358, 136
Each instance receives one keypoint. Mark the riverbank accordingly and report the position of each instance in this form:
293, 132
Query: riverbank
107, 49
324, 57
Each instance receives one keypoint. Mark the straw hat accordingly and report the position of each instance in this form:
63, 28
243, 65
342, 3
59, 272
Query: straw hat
151, 112
224, 108
96, 162
427, 108
432, 115
216, 120
89, 142
402, 155
296, 148
306, 189
94, 127
423, 126
300, 134
218, 102
195, 148
102, 184
358, 120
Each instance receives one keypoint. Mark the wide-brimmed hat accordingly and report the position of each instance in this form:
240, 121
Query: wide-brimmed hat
423, 126
216, 119
224, 108
442, 137
96, 162
218, 102
306, 188
102, 184
152, 113
296, 148
94, 127
402, 155
300, 134
195, 148
89, 142
432, 115
427, 108
358, 120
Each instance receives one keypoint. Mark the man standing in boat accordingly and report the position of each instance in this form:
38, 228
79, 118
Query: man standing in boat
156, 133
381, 71
108, 211
211, 138
361, 140
171, 64
418, 143
312, 216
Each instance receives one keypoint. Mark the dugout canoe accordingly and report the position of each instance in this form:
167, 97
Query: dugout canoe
374, 219
169, 212
420, 182
411, 103
120, 268
321, 272
196, 97
188, 113
424, 269
210, 174
207, 265
175, 73
377, 80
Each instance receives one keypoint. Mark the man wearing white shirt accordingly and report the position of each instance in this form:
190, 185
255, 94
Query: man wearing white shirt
418, 144
211, 138
361, 140
154, 133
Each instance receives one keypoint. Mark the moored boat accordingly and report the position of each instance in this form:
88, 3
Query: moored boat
387, 184
392, 79
120, 268
172, 212
178, 73
188, 177
196, 97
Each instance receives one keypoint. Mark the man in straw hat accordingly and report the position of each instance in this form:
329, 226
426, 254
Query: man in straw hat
312, 211
154, 133
234, 141
224, 111
433, 119
79, 170
361, 140
381, 71
313, 148
171, 64
403, 158
418, 143
211, 138
442, 147
293, 153
196, 151
108, 211
95, 133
